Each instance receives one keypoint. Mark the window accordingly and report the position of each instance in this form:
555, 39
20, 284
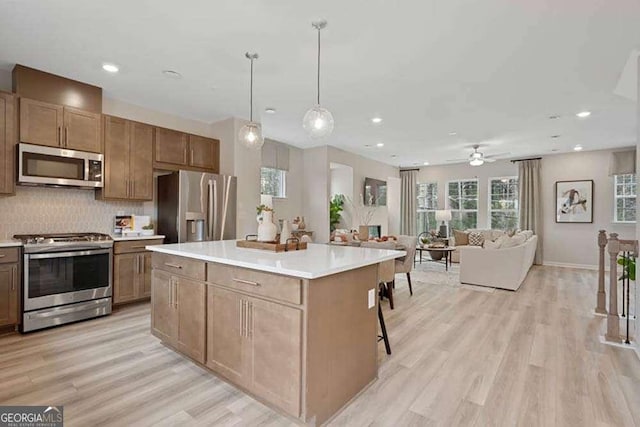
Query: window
273, 182
625, 198
462, 199
427, 205
503, 203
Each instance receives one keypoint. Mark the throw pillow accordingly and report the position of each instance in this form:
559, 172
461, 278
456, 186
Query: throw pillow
500, 240
495, 234
476, 238
461, 238
527, 234
516, 240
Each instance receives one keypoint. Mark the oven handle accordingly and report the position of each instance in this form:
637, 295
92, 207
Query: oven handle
69, 254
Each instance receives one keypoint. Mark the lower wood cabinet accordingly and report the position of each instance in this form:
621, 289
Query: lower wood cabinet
178, 313
132, 270
9, 287
256, 344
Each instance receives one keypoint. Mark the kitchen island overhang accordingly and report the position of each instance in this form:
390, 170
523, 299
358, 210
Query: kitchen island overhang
297, 330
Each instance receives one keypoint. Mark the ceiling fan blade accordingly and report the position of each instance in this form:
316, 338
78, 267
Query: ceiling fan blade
466, 159
489, 160
497, 155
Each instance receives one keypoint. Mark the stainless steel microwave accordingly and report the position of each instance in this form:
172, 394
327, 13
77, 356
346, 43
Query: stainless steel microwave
39, 165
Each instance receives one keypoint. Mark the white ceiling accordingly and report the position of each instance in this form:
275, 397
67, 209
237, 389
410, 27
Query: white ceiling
492, 70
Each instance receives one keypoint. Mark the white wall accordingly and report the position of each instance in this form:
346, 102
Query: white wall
342, 184
5, 80
563, 244
363, 168
315, 198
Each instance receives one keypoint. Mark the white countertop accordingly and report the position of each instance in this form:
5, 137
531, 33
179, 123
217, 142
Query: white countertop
10, 243
317, 260
125, 238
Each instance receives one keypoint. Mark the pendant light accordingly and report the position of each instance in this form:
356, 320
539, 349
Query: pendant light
318, 121
251, 133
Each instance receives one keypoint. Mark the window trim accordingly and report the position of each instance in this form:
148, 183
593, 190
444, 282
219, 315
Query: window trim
283, 183
489, 210
448, 206
616, 197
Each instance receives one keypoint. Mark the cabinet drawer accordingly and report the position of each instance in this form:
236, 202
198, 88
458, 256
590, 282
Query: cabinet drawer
269, 285
128, 246
9, 255
182, 266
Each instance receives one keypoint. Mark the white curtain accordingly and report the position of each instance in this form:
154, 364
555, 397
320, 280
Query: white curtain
408, 202
529, 200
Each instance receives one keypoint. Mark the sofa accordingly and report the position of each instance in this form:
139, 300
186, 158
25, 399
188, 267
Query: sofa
504, 267
488, 234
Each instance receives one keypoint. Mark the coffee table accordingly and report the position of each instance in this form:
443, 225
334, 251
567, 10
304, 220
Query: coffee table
447, 250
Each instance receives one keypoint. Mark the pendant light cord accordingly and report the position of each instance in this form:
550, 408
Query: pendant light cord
318, 66
251, 94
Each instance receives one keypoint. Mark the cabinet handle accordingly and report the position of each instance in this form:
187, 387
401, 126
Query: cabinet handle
66, 136
2, 255
191, 157
241, 311
168, 264
59, 136
249, 319
15, 278
142, 263
138, 247
175, 283
171, 295
246, 282
137, 264
133, 188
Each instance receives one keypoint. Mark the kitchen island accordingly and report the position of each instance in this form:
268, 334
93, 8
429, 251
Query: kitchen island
297, 330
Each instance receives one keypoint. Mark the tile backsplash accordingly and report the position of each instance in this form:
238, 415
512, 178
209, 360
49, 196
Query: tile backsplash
59, 210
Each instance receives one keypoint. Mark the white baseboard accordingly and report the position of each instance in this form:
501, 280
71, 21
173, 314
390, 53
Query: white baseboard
567, 265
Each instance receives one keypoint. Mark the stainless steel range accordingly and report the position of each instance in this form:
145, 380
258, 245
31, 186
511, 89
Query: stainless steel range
67, 277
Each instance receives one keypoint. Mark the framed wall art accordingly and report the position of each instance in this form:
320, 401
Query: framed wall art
574, 201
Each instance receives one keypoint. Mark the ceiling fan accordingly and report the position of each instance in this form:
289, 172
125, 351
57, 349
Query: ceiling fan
478, 158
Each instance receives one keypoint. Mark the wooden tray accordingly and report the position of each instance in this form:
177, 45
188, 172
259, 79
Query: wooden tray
271, 246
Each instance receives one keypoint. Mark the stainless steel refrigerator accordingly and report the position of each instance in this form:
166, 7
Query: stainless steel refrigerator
196, 206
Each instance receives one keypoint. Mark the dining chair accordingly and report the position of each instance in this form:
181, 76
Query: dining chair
405, 265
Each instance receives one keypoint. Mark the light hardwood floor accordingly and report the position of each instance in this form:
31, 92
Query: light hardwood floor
461, 356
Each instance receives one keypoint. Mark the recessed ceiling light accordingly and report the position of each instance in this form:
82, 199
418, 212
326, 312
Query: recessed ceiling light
394, 155
110, 68
426, 163
554, 150
379, 144
555, 136
270, 110
554, 117
367, 145
172, 74
453, 133
377, 120
577, 147
583, 114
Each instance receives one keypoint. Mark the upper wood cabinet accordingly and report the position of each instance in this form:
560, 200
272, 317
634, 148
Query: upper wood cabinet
204, 152
53, 125
177, 150
8, 139
128, 150
171, 147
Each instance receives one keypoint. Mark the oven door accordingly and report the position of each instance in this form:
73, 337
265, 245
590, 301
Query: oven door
58, 278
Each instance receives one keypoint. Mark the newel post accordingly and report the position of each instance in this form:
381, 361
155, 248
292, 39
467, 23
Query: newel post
601, 301
613, 321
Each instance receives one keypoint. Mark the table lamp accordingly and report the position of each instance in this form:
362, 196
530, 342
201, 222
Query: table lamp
444, 216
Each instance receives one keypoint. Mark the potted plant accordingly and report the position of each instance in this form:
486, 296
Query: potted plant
147, 230
336, 206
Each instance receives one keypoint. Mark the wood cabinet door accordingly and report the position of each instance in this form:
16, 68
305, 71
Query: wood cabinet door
164, 318
204, 153
141, 161
116, 158
125, 277
276, 353
144, 286
82, 130
8, 294
191, 300
40, 123
7, 142
226, 341
170, 147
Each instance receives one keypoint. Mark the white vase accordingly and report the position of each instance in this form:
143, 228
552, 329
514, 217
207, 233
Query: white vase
285, 233
267, 230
